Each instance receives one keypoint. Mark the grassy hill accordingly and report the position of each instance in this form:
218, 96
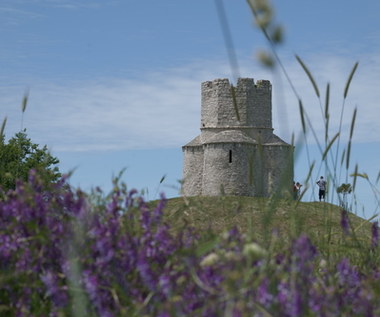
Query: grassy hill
265, 220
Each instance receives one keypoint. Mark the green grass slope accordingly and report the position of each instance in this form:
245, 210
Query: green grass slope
264, 220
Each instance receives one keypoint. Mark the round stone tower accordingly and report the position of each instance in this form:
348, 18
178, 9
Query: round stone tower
236, 152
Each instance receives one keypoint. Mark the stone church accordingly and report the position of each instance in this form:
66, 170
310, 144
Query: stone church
237, 153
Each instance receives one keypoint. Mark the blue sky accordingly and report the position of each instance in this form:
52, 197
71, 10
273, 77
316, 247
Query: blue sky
116, 84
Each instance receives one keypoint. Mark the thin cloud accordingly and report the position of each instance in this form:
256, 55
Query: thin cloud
162, 109
17, 12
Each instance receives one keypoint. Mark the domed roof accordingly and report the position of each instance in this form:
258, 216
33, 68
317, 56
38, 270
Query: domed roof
230, 136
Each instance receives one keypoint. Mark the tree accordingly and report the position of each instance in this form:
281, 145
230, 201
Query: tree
19, 156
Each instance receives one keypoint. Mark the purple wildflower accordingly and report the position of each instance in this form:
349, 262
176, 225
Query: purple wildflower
91, 285
8, 245
303, 251
146, 273
164, 283
50, 282
347, 273
236, 312
264, 297
157, 213
53, 290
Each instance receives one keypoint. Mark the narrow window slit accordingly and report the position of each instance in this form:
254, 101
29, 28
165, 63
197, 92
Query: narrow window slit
230, 156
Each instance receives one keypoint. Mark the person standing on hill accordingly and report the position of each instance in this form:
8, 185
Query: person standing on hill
294, 191
322, 188
298, 187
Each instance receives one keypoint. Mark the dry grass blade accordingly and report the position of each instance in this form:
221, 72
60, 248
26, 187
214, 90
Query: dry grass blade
343, 156
162, 179
309, 75
2, 128
329, 145
353, 123
362, 175
302, 116
355, 175
327, 101
24, 101
349, 80
309, 174
235, 102
349, 142
348, 155
327, 115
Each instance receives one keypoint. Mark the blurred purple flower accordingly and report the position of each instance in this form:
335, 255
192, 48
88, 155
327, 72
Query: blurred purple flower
236, 312
349, 280
91, 285
53, 290
8, 244
146, 273
164, 283
157, 213
264, 297
303, 251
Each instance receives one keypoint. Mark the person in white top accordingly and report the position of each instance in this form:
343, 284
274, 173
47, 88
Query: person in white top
322, 188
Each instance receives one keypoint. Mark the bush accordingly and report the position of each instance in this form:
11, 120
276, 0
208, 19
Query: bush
19, 156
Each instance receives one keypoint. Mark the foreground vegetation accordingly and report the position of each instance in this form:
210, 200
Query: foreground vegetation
67, 253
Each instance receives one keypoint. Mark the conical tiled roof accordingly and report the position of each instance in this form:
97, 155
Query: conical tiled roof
230, 136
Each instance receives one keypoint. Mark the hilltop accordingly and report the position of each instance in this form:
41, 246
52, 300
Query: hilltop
263, 219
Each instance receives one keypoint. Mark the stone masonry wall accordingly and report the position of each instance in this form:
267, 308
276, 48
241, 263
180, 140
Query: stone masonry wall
192, 171
227, 170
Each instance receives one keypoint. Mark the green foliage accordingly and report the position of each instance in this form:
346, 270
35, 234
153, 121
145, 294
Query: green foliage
19, 156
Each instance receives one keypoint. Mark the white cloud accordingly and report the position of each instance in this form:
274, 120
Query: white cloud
162, 109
